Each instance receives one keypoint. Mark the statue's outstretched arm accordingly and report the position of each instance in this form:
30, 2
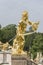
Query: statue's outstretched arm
34, 25
31, 23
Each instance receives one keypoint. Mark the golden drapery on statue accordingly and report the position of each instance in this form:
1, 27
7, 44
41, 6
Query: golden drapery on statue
19, 40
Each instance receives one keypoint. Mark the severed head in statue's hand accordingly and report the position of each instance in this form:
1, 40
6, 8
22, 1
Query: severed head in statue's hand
35, 26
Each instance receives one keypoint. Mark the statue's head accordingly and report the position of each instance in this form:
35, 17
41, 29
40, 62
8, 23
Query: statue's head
25, 15
35, 26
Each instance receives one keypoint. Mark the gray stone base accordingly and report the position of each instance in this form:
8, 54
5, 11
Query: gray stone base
19, 60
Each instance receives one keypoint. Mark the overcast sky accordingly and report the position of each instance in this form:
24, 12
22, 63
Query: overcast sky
11, 10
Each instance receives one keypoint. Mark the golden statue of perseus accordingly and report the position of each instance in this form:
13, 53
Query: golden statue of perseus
19, 40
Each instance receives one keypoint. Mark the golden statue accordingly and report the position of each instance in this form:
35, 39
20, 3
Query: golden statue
18, 42
5, 46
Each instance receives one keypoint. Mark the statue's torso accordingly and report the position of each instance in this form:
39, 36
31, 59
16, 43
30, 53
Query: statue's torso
22, 27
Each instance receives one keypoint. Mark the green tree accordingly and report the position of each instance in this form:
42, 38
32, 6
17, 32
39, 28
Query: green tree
37, 44
8, 32
29, 41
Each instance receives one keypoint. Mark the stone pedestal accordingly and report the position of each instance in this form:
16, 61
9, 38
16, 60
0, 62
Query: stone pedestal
5, 58
19, 60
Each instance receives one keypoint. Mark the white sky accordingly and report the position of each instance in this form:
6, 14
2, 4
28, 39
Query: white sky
11, 10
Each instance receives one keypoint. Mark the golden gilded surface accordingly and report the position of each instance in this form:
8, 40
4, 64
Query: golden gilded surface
18, 42
5, 46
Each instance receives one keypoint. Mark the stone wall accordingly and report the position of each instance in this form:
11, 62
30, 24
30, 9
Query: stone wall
19, 60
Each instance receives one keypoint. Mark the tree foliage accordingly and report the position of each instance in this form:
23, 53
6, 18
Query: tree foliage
8, 32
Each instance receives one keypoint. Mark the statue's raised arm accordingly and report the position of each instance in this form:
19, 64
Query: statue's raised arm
28, 22
34, 25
